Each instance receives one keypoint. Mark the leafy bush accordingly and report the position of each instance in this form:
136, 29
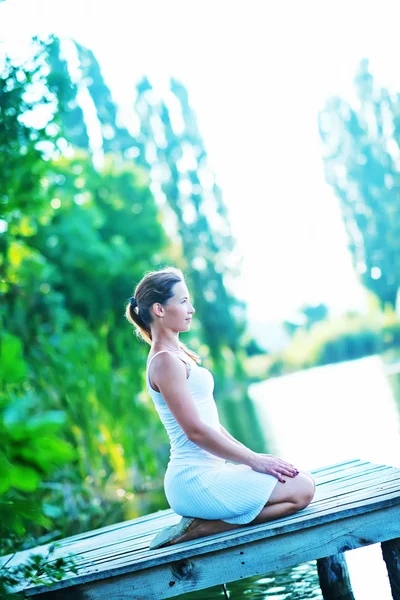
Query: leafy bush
37, 568
338, 339
72, 380
31, 449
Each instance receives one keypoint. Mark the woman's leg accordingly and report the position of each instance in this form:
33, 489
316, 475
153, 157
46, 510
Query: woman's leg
286, 499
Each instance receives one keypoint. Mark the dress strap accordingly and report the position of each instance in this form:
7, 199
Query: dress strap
169, 351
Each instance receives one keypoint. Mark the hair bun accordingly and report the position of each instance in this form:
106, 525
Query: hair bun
132, 301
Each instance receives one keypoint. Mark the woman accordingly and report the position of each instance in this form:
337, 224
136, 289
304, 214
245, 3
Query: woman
210, 494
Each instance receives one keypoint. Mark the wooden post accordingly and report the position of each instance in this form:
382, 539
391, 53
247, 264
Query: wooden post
391, 556
334, 578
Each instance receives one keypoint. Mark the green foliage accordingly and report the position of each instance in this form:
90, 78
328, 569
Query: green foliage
180, 168
306, 317
31, 447
337, 339
30, 451
13, 367
21, 164
75, 422
192, 211
43, 570
66, 92
361, 164
115, 138
182, 174
77, 427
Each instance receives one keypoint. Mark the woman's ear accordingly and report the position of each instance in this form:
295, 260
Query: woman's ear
158, 309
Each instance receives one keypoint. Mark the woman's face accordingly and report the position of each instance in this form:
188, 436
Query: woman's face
178, 310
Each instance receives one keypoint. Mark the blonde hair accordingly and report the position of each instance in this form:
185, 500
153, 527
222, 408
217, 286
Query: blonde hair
155, 286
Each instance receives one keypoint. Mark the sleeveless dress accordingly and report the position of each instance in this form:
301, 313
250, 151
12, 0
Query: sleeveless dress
198, 483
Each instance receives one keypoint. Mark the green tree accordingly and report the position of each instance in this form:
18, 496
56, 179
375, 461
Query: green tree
74, 239
33, 445
116, 138
173, 151
193, 213
306, 317
66, 91
361, 164
104, 234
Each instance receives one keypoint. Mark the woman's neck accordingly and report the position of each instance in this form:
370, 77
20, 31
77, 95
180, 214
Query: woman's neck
172, 344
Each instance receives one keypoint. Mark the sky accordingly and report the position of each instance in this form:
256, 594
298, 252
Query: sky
257, 72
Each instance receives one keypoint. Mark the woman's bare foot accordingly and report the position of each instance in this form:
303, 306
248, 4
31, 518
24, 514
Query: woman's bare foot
201, 528
189, 534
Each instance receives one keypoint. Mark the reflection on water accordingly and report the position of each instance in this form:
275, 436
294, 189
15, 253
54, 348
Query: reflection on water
313, 418
298, 583
331, 413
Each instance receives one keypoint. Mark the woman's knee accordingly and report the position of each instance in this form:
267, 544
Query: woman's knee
298, 490
304, 490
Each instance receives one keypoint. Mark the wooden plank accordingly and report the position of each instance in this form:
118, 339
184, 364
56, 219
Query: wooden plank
160, 519
336, 465
11, 560
368, 483
96, 556
144, 559
152, 518
312, 510
116, 528
345, 502
354, 487
138, 530
97, 559
338, 468
367, 494
354, 479
357, 503
321, 497
152, 523
365, 488
352, 474
321, 505
334, 484
351, 471
103, 537
167, 580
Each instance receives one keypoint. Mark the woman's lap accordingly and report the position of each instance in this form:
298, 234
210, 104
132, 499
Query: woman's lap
231, 492
294, 489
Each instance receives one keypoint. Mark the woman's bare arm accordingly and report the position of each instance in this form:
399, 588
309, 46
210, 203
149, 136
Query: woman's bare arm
216, 443
229, 436
169, 374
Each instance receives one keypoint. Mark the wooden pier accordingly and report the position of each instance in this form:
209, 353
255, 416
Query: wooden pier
357, 503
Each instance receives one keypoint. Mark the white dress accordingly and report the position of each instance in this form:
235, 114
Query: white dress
198, 483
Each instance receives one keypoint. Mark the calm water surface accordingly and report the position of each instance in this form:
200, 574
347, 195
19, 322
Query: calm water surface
314, 418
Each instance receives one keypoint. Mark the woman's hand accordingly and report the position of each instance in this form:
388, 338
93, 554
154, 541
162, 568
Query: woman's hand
266, 463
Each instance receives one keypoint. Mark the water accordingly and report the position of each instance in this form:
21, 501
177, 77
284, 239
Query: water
298, 583
317, 417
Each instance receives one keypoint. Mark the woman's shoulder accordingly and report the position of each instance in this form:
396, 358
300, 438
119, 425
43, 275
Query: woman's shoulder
166, 357
168, 360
